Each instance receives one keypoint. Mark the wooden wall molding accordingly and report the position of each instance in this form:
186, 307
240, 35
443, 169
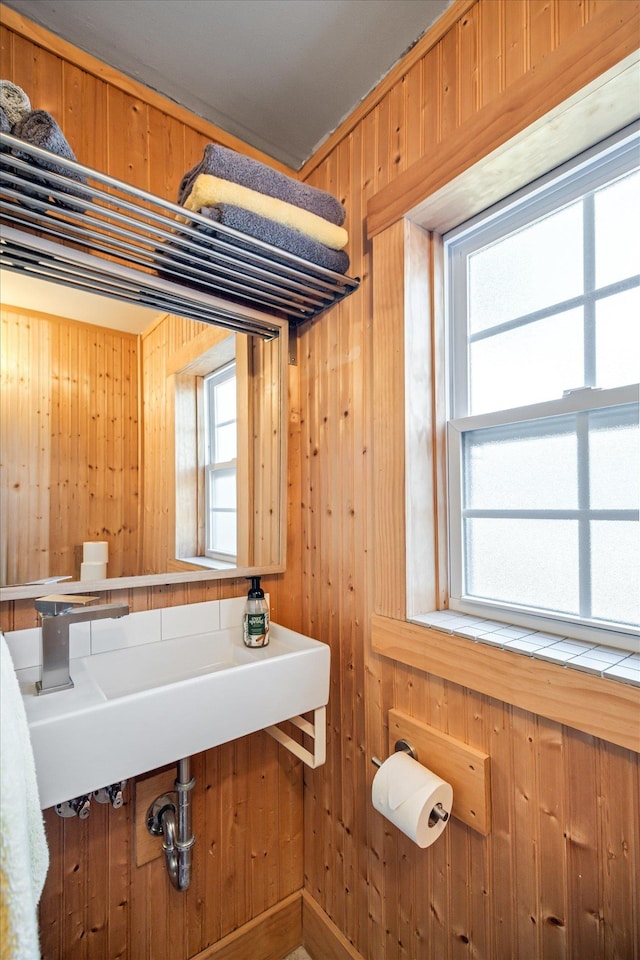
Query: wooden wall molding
602, 708
465, 768
321, 937
607, 43
271, 936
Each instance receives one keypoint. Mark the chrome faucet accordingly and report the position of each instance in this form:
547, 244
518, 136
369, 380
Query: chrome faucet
56, 613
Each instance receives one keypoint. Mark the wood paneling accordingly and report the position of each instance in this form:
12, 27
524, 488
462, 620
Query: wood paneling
557, 877
467, 770
541, 884
585, 56
69, 418
247, 806
98, 903
604, 708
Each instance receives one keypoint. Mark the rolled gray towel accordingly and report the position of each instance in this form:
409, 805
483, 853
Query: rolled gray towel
40, 129
14, 102
276, 234
233, 166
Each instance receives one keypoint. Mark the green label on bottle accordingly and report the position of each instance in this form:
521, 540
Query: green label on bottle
256, 624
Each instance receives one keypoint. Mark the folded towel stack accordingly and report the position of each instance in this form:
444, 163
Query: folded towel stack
14, 102
37, 127
40, 129
14, 105
237, 191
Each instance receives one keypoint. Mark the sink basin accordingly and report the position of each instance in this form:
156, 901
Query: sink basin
120, 673
138, 708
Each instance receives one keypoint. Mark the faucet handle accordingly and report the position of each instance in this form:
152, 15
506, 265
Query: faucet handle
57, 603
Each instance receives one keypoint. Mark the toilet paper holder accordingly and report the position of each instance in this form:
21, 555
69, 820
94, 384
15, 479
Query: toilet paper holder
403, 745
438, 812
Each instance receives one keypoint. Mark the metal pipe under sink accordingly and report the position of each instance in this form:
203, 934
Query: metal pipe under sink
178, 840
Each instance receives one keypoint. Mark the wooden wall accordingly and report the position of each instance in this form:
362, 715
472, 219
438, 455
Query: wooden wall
69, 429
557, 877
97, 903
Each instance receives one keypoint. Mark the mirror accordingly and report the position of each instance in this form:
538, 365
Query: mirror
104, 427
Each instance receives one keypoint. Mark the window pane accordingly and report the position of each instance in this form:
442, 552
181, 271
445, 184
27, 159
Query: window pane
534, 268
508, 468
615, 571
617, 211
618, 339
226, 443
535, 362
526, 562
223, 533
614, 460
222, 489
226, 400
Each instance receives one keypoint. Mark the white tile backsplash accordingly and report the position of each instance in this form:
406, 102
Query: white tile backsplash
79, 640
129, 631
190, 618
231, 612
24, 647
147, 626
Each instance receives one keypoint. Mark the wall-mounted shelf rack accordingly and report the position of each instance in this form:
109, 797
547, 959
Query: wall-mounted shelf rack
109, 238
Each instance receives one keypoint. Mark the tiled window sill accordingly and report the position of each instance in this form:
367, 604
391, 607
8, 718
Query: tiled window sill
602, 661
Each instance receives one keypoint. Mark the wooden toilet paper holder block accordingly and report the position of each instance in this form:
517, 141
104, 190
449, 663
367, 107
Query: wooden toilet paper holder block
465, 768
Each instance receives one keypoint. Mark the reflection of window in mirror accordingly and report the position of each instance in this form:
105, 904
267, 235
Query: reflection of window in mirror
220, 466
200, 516
211, 441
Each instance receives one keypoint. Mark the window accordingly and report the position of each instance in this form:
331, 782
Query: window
221, 443
543, 448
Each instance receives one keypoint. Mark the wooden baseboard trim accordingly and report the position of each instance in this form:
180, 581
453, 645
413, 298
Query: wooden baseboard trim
271, 936
320, 936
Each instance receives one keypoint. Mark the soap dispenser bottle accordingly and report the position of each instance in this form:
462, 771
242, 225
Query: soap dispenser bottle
255, 626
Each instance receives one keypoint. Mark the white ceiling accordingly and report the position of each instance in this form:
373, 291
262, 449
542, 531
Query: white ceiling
22, 290
279, 74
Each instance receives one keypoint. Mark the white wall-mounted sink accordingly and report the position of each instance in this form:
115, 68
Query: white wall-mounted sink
139, 707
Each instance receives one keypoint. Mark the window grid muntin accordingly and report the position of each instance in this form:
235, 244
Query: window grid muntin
602, 164
578, 423
212, 466
605, 171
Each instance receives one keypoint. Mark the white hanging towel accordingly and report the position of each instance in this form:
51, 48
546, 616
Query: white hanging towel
24, 856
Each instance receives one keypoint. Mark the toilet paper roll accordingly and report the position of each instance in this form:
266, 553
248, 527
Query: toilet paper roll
406, 793
93, 571
95, 551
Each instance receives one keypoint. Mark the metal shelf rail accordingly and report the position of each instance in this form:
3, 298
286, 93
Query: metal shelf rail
106, 237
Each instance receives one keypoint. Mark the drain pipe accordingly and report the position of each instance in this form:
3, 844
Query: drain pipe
178, 839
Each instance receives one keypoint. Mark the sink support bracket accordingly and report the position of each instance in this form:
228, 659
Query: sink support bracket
317, 731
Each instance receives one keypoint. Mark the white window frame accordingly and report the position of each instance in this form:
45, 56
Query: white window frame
612, 159
212, 466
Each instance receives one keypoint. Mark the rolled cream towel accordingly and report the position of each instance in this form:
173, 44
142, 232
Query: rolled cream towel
14, 102
207, 191
40, 129
238, 168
